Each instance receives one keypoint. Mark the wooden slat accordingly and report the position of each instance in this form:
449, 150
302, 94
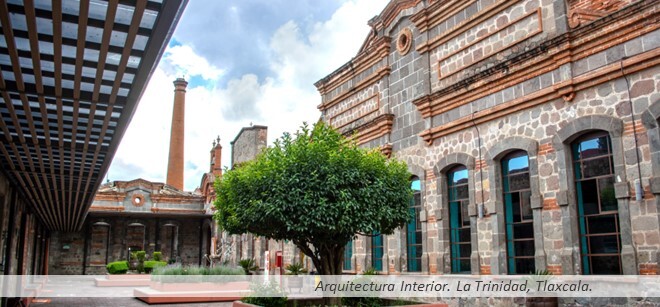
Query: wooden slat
82, 34
103, 54
128, 46
18, 76
36, 64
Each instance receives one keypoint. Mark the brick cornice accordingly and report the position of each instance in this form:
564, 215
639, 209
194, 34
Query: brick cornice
547, 56
106, 208
369, 57
364, 83
374, 129
386, 150
391, 11
177, 199
453, 7
115, 196
437, 12
172, 210
594, 78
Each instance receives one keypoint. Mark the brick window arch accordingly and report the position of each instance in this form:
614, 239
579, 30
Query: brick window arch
564, 141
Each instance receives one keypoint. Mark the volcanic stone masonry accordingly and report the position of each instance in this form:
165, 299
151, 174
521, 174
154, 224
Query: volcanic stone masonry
452, 85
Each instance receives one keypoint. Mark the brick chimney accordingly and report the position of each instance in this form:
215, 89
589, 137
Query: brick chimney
216, 158
175, 162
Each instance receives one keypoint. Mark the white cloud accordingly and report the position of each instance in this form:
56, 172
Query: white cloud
282, 101
185, 62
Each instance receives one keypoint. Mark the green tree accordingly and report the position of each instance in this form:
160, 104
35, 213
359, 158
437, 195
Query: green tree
318, 190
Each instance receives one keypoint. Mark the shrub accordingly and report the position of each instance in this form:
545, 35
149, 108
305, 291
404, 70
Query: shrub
248, 265
158, 256
117, 267
268, 294
141, 256
178, 273
151, 264
295, 268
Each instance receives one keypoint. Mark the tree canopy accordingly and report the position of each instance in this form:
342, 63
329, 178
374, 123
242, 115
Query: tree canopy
317, 189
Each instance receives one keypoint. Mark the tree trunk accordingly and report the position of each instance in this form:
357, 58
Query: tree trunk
329, 262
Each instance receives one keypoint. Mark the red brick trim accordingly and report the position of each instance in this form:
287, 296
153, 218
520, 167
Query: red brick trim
386, 150
355, 105
538, 30
555, 269
364, 83
545, 149
380, 126
550, 204
648, 269
404, 41
172, 210
594, 78
138, 200
105, 208
373, 54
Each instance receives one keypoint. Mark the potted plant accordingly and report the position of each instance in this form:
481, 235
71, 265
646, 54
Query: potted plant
248, 266
295, 269
541, 275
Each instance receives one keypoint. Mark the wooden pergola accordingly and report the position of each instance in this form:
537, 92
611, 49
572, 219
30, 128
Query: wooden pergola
71, 75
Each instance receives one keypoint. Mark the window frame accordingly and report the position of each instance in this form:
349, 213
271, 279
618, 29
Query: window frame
510, 224
585, 237
456, 217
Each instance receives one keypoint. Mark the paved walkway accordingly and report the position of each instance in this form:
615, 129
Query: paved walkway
110, 302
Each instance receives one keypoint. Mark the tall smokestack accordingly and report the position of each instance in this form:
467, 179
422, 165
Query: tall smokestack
175, 163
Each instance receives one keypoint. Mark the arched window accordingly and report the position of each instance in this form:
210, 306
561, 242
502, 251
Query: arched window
518, 213
348, 254
100, 239
459, 219
377, 249
414, 229
598, 215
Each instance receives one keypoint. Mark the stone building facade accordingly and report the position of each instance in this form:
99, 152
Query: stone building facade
130, 216
530, 128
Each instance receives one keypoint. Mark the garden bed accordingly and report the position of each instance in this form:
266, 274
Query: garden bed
191, 293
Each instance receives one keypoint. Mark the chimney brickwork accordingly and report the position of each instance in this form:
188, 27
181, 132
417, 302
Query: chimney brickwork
176, 159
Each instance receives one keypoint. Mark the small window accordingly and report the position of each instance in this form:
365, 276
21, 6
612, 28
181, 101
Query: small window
459, 219
348, 254
377, 250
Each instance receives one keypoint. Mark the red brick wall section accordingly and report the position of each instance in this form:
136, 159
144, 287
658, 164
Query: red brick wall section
485, 270
550, 204
600, 5
554, 269
175, 162
648, 269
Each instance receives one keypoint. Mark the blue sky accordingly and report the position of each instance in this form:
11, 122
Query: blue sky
247, 61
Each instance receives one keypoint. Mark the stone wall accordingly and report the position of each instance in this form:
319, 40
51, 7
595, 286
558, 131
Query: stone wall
248, 144
107, 239
484, 78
